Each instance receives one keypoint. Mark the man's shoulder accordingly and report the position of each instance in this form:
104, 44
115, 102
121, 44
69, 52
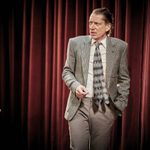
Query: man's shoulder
80, 38
118, 41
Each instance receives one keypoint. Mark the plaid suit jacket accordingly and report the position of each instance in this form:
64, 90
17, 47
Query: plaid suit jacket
75, 72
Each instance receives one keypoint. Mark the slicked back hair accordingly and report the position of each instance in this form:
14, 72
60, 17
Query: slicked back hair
108, 17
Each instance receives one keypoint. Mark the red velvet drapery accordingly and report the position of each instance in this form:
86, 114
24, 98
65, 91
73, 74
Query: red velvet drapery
33, 40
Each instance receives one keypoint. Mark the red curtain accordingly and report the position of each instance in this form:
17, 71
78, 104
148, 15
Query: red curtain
33, 41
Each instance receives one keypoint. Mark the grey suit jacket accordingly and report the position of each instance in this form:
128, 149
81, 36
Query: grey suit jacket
75, 71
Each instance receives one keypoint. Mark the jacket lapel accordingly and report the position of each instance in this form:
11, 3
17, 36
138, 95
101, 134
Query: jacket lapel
86, 57
110, 54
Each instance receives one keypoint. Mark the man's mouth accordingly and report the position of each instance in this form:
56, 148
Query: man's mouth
92, 33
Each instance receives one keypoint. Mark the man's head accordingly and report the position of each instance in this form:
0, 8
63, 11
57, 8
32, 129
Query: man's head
100, 23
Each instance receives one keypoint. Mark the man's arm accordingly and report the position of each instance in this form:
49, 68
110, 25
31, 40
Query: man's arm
68, 74
123, 82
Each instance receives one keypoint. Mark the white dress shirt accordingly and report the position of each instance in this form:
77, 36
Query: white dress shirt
89, 85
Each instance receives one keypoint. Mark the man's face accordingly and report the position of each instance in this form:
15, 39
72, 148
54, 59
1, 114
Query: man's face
98, 27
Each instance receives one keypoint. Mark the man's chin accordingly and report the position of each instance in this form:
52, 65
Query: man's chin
94, 37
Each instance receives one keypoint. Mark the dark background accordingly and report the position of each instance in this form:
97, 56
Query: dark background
33, 41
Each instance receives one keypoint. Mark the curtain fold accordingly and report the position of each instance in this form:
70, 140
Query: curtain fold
145, 105
33, 45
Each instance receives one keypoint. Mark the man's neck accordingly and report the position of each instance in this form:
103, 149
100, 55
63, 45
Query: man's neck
101, 38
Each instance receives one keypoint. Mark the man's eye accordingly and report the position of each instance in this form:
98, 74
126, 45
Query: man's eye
96, 23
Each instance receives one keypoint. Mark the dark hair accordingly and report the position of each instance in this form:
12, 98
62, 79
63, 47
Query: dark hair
108, 17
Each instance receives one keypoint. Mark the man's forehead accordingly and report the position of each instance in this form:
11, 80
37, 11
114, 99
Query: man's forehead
97, 17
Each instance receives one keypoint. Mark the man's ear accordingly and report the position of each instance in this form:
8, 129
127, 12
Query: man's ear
108, 27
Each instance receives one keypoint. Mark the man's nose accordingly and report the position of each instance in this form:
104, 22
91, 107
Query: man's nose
92, 26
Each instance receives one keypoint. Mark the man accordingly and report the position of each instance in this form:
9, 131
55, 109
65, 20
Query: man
96, 73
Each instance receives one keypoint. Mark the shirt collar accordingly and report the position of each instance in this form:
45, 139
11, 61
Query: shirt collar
103, 41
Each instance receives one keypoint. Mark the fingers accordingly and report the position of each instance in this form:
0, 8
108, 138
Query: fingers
81, 91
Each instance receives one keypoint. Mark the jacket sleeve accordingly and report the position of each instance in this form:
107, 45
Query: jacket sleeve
68, 74
123, 82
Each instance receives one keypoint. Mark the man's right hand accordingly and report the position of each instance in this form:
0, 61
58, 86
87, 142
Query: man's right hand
81, 91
